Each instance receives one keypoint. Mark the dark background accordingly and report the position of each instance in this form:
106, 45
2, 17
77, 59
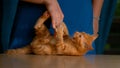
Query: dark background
0, 23
113, 41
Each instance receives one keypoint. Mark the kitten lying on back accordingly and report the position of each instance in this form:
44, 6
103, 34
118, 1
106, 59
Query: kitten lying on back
80, 44
60, 44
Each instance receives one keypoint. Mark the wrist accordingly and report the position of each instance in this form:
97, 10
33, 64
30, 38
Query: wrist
96, 18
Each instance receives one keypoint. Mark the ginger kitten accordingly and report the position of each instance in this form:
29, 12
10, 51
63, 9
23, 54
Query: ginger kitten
59, 44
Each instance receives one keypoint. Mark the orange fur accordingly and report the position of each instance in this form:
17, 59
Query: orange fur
60, 44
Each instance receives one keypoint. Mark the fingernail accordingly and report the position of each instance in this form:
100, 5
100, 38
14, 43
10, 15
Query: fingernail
54, 26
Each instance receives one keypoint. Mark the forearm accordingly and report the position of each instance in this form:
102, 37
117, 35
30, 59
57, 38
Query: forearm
34, 1
97, 5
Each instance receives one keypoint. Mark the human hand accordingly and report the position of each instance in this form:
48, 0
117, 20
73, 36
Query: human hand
53, 9
55, 12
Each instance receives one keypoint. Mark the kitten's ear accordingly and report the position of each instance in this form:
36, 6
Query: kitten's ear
94, 36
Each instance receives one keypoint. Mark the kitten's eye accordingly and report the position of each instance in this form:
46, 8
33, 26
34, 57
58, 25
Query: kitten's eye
79, 35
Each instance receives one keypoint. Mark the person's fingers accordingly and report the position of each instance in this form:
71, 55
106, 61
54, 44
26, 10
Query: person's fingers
61, 13
56, 14
53, 24
58, 17
61, 16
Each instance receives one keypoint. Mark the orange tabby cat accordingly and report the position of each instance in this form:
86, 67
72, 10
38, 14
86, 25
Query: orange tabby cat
80, 44
60, 44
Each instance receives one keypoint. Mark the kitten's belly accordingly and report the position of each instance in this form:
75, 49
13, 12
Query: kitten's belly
53, 41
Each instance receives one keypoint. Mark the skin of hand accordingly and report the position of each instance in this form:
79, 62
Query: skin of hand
95, 26
97, 6
55, 12
53, 9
